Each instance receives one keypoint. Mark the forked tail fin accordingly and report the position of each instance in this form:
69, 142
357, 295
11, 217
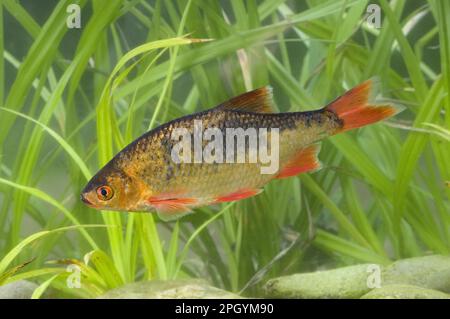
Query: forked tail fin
354, 110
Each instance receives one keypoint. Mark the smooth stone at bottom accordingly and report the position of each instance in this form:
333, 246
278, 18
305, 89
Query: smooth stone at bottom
169, 289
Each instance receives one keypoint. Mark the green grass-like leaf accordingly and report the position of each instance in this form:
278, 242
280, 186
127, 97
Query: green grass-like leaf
382, 193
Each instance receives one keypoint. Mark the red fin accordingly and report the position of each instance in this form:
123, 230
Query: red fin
354, 110
241, 194
256, 101
304, 161
171, 205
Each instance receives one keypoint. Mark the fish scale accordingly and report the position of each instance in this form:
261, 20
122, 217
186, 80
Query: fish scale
152, 169
145, 177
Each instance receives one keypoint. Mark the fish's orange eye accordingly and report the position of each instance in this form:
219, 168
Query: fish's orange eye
105, 193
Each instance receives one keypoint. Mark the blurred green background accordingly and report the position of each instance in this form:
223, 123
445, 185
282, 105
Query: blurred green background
382, 194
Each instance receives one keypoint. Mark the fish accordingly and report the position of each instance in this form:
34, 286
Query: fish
146, 177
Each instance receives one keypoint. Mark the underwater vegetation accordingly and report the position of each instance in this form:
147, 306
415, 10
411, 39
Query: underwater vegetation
74, 92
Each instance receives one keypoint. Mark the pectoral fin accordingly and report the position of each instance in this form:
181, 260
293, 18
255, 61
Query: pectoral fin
171, 216
172, 208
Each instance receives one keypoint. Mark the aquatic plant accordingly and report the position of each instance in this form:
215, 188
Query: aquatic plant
71, 98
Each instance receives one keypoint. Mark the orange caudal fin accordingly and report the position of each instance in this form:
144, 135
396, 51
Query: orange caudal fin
304, 161
354, 109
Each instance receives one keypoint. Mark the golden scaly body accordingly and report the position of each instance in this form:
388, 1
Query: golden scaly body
145, 177
149, 157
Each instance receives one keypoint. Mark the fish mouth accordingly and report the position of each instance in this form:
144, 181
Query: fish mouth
85, 200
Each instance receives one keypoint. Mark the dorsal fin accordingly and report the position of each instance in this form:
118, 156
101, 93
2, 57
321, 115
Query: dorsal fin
256, 101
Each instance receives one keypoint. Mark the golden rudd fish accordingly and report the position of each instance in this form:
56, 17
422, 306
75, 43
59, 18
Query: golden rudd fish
144, 176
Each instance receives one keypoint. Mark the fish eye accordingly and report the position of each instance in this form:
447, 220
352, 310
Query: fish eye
104, 193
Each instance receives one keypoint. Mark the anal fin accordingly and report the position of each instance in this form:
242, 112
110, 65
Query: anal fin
241, 194
304, 161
